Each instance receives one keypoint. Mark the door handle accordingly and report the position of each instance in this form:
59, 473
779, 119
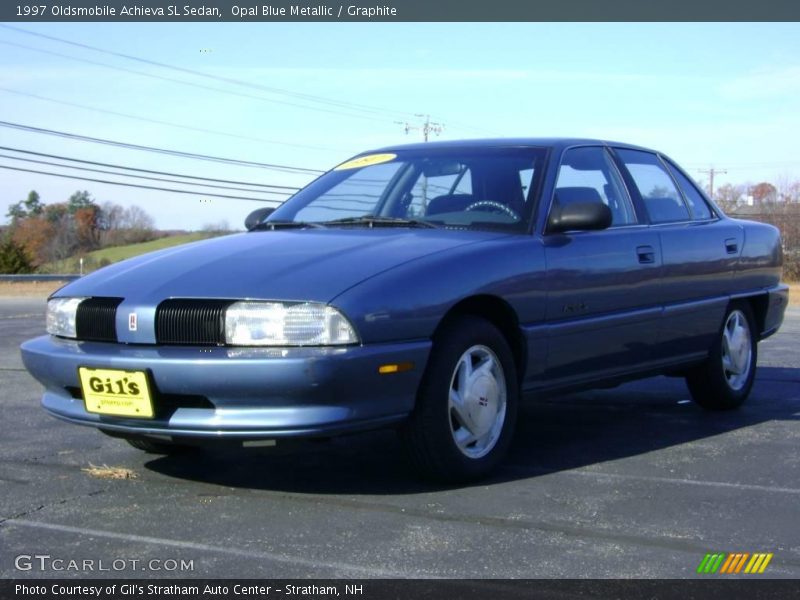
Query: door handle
646, 254
731, 246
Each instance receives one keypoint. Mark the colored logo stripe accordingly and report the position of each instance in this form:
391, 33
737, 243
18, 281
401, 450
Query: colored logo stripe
758, 563
734, 562
710, 563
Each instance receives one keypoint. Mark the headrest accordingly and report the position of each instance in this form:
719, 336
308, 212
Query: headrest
571, 195
450, 203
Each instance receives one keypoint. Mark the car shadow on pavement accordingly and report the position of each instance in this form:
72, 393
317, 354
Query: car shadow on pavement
557, 434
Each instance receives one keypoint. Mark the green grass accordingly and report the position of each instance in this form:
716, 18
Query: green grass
93, 260
118, 253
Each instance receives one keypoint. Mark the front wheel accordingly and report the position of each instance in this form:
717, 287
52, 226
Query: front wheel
466, 406
725, 379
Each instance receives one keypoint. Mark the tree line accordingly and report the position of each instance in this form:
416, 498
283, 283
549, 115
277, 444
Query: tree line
41, 233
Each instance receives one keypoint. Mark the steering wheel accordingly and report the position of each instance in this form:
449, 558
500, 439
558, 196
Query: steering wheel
501, 208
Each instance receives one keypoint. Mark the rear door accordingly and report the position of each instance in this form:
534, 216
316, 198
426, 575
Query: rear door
700, 252
603, 303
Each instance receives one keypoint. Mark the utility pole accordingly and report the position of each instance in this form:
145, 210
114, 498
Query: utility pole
427, 127
711, 172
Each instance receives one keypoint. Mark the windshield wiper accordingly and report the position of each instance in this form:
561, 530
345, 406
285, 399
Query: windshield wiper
373, 221
273, 225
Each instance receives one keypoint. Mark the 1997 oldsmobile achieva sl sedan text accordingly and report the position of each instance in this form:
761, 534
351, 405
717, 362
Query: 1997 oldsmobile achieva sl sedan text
426, 287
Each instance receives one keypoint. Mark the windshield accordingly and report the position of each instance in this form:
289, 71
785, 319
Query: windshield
476, 189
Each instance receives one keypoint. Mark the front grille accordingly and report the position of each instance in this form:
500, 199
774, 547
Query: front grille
191, 322
96, 319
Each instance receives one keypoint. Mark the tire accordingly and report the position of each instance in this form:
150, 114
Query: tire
725, 379
456, 437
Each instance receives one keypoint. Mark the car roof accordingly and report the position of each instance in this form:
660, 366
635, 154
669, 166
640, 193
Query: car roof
547, 142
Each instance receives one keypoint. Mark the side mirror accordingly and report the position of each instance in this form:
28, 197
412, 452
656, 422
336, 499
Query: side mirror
579, 216
258, 215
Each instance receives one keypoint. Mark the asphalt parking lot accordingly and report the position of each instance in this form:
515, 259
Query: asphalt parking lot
628, 482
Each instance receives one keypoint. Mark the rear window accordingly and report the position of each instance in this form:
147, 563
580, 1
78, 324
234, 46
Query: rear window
662, 199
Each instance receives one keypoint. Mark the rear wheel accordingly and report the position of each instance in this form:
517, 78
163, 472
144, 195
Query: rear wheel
466, 406
725, 379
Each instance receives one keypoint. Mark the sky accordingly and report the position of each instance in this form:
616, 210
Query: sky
311, 95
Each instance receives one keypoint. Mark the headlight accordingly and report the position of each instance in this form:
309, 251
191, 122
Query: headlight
61, 316
279, 324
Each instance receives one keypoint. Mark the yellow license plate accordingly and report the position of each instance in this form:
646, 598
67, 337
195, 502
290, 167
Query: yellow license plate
115, 392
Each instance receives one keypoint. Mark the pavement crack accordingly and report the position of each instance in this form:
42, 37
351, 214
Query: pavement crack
38, 458
41, 507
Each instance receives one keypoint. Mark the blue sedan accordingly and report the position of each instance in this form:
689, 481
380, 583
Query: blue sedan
425, 287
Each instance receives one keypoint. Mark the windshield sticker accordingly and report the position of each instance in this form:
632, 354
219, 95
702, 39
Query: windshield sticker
366, 161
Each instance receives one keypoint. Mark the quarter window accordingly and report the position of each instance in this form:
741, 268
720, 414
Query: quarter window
700, 210
588, 175
525, 180
661, 198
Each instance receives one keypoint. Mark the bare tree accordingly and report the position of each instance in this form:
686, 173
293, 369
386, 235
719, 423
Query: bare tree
728, 196
219, 227
111, 216
138, 225
136, 218
120, 225
788, 189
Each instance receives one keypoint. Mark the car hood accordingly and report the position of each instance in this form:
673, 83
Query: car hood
313, 265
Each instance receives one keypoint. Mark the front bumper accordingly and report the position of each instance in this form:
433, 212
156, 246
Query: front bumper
237, 393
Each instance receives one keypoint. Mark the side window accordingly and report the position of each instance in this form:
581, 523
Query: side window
661, 198
697, 203
588, 175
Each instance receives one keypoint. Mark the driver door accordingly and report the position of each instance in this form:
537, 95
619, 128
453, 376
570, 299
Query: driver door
603, 303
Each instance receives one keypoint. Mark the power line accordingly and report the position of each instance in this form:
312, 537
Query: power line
134, 185
85, 169
159, 122
190, 83
346, 105
228, 80
460, 125
100, 164
183, 154
426, 127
